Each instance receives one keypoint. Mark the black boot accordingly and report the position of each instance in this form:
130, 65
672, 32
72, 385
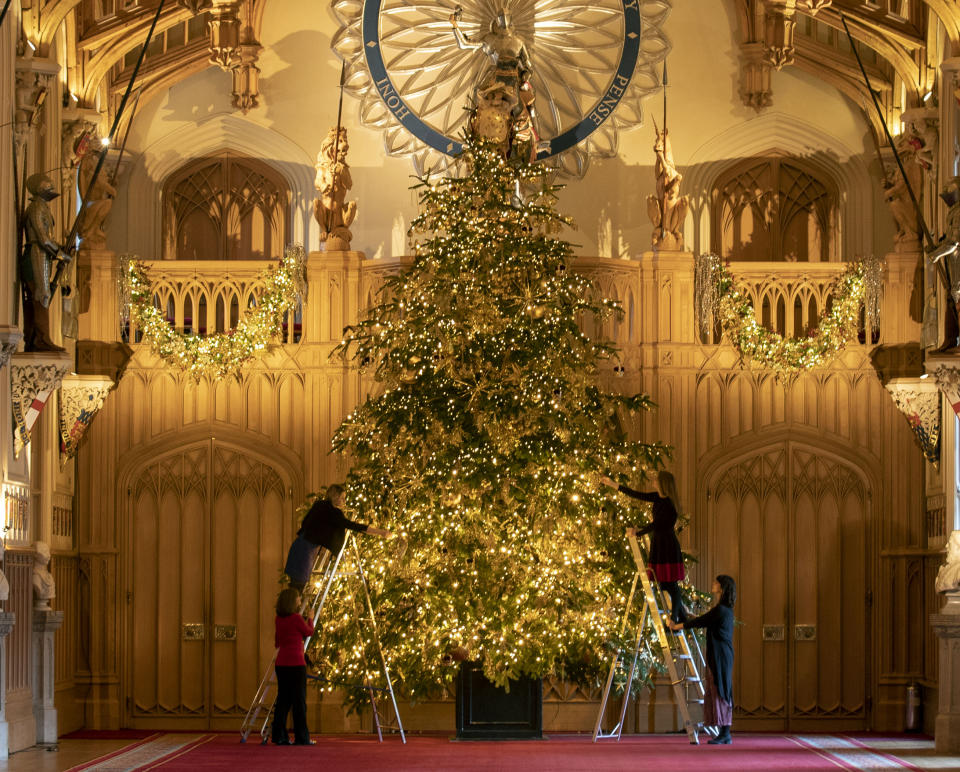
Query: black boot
723, 738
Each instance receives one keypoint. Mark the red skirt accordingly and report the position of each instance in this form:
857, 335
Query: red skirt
668, 572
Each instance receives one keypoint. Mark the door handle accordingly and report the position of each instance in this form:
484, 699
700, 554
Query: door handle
224, 632
774, 632
193, 631
805, 632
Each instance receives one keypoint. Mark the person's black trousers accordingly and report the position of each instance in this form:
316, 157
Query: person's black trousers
291, 696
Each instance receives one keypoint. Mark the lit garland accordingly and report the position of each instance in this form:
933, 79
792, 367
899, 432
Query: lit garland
221, 354
481, 448
719, 299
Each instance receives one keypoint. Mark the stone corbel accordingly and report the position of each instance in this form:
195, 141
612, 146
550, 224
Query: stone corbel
813, 7
919, 401
33, 378
81, 397
224, 28
779, 24
246, 74
107, 359
34, 77
10, 338
756, 90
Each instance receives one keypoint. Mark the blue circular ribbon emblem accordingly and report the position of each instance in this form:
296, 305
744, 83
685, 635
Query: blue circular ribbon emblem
600, 112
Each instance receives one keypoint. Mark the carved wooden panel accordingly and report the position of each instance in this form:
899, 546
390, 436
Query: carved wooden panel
18, 568
65, 572
206, 530
17, 515
792, 526
62, 525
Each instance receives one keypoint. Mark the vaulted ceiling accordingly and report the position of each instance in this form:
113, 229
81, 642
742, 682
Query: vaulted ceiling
901, 44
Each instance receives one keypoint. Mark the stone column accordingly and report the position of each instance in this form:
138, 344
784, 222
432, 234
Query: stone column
949, 118
7, 619
45, 624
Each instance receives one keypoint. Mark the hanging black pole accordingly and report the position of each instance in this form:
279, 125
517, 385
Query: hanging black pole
950, 321
126, 134
876, 103
664, 94
18, 225
71, 237
336, 141
3, 13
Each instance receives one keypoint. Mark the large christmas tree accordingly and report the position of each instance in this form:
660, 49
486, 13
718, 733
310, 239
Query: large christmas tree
483, 444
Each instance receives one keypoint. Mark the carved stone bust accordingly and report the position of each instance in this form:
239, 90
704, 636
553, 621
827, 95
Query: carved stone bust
44, 587
948, 577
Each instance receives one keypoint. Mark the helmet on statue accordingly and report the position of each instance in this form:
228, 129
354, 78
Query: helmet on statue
41, 185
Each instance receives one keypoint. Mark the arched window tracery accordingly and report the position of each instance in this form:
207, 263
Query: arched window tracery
225, 208
774, 209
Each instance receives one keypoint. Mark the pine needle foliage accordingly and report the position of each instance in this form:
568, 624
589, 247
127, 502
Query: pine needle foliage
482, 445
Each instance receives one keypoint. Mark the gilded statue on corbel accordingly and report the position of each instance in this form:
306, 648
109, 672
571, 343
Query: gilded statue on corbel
897, 195
667, 209
98, 200
332, 212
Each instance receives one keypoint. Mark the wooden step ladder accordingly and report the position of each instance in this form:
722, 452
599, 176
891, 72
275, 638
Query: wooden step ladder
679, 650
326, 573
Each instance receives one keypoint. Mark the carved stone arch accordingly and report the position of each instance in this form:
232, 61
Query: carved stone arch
775, 133
225, 207
217, 135
278, 456
775, 207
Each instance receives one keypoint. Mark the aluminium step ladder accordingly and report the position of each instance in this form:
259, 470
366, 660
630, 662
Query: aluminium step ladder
326, 573
680, 652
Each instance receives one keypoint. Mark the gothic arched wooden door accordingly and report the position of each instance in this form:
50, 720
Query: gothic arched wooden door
208, 526
792, 524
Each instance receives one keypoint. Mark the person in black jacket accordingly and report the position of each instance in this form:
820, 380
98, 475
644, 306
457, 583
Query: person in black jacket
325, 526
666, 557
718, 680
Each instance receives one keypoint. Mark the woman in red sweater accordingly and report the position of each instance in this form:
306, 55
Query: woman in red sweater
291, 668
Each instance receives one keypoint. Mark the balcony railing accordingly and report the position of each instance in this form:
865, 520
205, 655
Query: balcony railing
202, 297
790, 298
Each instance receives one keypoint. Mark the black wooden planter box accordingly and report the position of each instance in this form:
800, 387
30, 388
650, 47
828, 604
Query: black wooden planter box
486, 712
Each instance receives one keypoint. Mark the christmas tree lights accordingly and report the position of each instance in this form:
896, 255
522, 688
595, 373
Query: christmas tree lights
481, 449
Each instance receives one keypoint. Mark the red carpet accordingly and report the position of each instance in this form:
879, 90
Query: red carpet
769, 753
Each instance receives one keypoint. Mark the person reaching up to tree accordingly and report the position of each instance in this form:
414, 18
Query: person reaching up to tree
718, 681
326, 526
666, 557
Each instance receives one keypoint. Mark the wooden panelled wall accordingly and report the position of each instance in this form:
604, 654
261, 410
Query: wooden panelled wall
810, 495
